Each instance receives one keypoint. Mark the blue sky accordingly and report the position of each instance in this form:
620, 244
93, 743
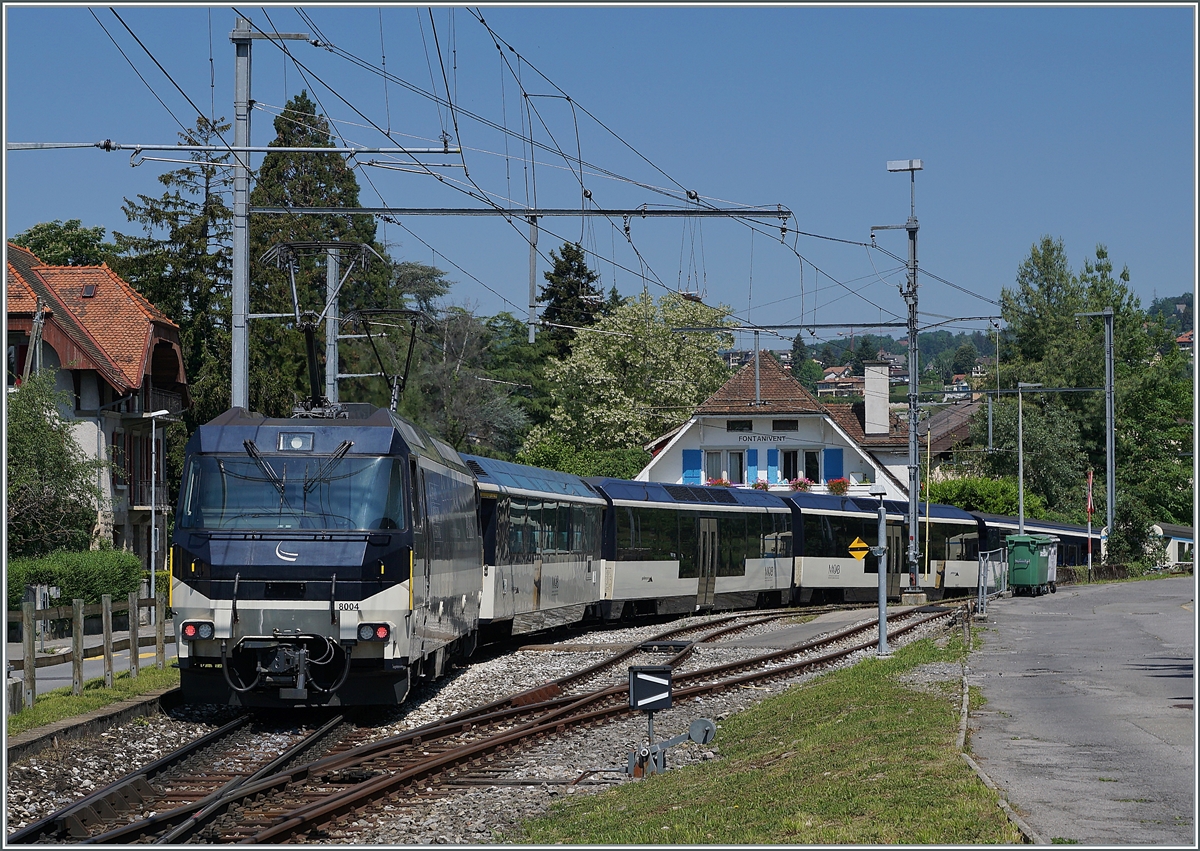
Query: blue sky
1077, 122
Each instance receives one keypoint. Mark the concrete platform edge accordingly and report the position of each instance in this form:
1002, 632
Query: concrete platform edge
1031, 836
32, 741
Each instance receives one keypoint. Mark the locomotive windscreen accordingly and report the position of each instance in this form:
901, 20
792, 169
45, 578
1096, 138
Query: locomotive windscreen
290, 492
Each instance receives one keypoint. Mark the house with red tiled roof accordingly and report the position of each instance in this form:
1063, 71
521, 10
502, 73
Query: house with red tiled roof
117, 358
763, 426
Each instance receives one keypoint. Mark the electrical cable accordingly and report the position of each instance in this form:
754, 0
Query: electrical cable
136, 71
164, 71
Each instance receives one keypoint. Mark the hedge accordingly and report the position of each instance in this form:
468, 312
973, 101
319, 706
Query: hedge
83, 575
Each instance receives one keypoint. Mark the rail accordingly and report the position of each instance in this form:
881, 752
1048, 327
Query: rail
30, 661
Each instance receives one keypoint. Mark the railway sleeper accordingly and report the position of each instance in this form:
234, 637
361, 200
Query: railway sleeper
80, 822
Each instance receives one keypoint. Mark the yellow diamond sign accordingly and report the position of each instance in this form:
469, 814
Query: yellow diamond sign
859, 549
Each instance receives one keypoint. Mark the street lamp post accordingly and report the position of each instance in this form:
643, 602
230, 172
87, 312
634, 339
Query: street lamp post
153, 507
914, 374
1021, 385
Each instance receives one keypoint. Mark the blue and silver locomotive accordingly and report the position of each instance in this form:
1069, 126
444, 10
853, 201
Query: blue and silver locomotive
322, 561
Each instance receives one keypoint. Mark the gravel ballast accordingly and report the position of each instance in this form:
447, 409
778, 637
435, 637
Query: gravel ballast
468, 814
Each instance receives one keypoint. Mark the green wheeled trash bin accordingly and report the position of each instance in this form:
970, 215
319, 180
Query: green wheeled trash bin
1029, 563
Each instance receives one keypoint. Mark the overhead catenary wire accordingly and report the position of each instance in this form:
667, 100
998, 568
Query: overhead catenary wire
485, 196
135, 71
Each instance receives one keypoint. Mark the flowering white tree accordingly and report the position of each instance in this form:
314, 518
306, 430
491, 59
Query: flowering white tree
631, 377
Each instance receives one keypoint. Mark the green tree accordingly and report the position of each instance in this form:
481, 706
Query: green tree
1174, 312
803, 368
570, 297
554, 453
940, 365
989, 495
633, 378
521, 365
1055, 463
1154, 401
278, 362
964, 359
181, 263
53, 494
463, 404
864, 350
69, 243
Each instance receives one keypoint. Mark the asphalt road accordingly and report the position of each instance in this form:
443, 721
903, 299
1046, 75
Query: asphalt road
1089, 721
57, 676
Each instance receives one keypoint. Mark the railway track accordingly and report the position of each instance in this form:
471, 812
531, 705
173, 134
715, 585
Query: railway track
202, 794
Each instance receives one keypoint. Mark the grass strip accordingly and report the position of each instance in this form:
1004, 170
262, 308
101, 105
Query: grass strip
60, 703
853, 757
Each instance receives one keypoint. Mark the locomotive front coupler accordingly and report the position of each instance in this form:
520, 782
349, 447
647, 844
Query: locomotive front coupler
283, 660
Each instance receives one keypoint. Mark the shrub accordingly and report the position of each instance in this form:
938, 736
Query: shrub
85, 575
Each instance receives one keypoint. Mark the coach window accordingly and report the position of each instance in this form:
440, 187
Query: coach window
731, 537
687, 545
818, 536
628, 535
563, 527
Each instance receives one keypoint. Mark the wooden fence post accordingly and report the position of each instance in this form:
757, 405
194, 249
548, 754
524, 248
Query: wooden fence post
135, 647
160, 632
106, 619
30, 669
77, 647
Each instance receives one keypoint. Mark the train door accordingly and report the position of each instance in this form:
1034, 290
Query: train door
706, 561
896, 560
419, 577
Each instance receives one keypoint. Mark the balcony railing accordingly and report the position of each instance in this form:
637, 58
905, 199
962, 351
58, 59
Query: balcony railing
139, 495
158, 400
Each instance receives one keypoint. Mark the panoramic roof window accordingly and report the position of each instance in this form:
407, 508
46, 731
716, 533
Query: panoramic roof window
739, 425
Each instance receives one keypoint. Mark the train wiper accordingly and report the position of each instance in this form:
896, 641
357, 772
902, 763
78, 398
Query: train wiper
327, 468
263, 464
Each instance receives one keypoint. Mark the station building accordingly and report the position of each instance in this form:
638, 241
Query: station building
764, 427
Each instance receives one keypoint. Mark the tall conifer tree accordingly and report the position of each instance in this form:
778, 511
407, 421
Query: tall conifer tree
570, 296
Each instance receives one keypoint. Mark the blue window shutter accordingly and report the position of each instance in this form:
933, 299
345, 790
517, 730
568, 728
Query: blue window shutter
772, 465
751, 466
833, 463
691, 466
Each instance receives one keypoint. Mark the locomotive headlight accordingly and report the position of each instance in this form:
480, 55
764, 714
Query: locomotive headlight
197, 630
366, 632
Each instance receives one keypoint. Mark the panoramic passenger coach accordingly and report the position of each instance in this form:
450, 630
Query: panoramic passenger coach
675, 548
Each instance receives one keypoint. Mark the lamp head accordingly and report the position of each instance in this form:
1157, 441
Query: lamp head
877, 489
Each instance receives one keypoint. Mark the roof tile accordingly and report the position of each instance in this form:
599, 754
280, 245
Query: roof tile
778, 391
